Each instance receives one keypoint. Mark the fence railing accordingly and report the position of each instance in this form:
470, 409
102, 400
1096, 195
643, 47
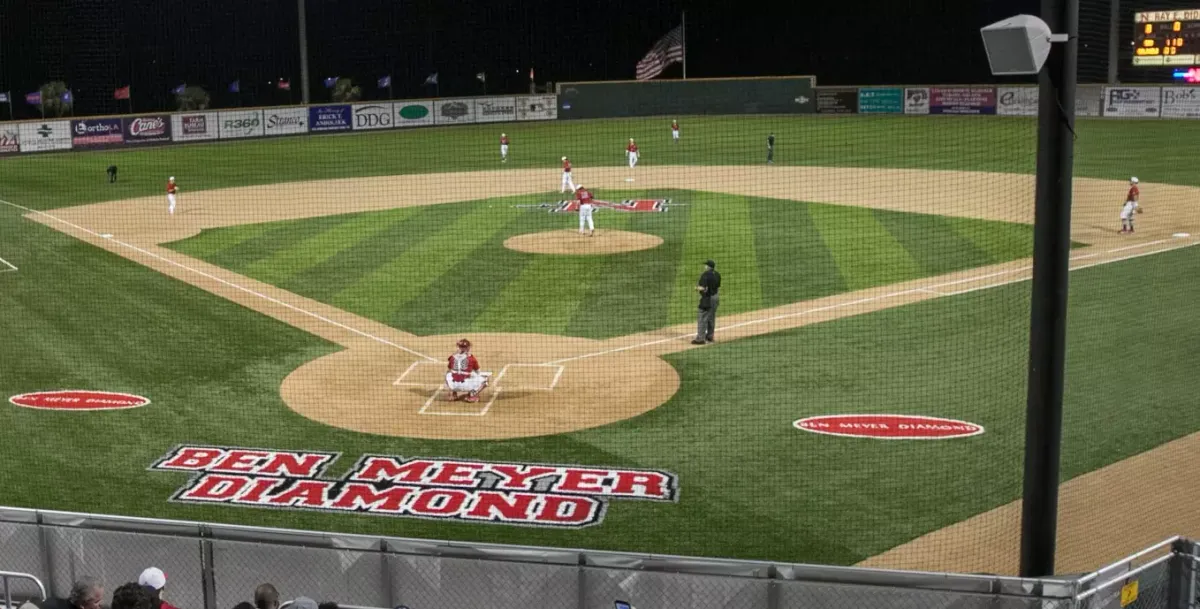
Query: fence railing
215, 566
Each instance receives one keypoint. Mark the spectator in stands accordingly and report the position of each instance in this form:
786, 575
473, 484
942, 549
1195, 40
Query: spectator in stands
303, 602
86, 593
266, 597
132, 596
154, 580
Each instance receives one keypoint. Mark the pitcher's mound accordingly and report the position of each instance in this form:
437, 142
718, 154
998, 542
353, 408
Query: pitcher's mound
571, 242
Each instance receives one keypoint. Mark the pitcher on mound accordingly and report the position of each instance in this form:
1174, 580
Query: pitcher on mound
463, 375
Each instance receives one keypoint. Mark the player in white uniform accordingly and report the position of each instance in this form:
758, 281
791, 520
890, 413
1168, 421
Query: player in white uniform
503, 147
631, 151
172, 188
463, 375
585, 211
566, 180
1130, 207
675, 131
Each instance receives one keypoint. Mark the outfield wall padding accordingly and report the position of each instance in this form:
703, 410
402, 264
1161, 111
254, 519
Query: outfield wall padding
789, 95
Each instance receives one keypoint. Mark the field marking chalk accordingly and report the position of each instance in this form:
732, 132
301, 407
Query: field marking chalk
11, 266
405, 373
429, 401
1137, 246
228, 283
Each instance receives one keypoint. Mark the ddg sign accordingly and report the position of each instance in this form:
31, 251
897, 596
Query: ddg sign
373, 116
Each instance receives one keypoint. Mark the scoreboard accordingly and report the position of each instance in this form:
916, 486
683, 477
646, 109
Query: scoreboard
1166, 38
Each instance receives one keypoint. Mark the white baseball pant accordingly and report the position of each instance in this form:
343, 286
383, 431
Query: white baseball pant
568, 185
585, 217
171, 202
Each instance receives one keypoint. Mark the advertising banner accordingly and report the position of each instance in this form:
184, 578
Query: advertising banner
194, 127
96, 132
1017, 101
1087, 100
43, 137
285, 121
413, 113
10, 139
916, 101
1180, 102
837, 100
962, 100
495, 109
454, 111
537, 108
881, 100
1131, 102
147, 129
245, 123
373, 116
329, 118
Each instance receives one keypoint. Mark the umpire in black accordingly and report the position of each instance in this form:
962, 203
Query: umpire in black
706, 316
771, 149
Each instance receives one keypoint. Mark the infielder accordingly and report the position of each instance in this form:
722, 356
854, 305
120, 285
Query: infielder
503, 148
172, 188
1131, 206
585, 211
675, 131
631, 151
463, 375
567, 181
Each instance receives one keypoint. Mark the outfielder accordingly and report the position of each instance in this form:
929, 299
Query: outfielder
585, 211
1131, 206
463, 375
631, 151
675, 131
503, 148
172, 188
566, 180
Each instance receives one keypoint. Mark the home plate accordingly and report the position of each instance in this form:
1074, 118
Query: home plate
1181, 235
628, 179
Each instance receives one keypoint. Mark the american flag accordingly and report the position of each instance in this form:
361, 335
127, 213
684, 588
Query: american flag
668, 50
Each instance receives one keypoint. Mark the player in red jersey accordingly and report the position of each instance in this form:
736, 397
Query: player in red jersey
172, 188
585, 211
631, 151
503, 148
675, 131
1131, 206
463, 375
566, 179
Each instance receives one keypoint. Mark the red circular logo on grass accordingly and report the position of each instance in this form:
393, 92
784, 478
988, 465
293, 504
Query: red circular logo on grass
888, 426
78, 400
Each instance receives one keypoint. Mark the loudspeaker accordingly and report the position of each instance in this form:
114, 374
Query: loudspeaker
1018, 45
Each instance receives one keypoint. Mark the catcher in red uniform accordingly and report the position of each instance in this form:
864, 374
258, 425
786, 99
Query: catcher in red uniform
463, 375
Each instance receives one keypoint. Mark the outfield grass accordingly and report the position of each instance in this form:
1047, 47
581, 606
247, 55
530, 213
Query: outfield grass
400, 267
1113, 149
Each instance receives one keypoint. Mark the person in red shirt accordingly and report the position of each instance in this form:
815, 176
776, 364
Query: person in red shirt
631, 151
172, 188
463, 374
1131, 206
675, 131
584, 196
503, 148
566, 179
154, 580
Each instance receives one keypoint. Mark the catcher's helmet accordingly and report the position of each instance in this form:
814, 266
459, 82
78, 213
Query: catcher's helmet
464, 343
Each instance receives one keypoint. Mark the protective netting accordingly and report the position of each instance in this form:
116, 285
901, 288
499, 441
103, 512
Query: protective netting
722, 317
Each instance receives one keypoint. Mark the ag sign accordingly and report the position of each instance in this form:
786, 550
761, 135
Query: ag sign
373, 116
413, 114
1131, 102
888, 426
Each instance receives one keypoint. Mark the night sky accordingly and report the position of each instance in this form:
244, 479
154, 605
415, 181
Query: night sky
97, 45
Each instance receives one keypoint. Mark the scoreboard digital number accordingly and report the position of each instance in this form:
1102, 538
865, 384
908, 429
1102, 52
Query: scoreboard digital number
1166, 38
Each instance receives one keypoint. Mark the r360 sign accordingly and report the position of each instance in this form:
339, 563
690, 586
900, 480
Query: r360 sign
242, 123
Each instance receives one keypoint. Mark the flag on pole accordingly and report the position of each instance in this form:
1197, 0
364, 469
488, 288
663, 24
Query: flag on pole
67, 97
6, 97
432, 79
34, 98
121, 92
530, 74
329, 82
179, 90
668, 50
385, 82
481, 76
284, 85
235, 86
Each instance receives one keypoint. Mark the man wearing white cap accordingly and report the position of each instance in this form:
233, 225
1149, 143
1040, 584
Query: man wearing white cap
1131, 206
171, 190
154, 580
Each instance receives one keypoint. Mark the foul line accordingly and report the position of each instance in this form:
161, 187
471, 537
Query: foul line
225, 282
927, 289
11, 266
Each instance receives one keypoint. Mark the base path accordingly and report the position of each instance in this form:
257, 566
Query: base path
385, 380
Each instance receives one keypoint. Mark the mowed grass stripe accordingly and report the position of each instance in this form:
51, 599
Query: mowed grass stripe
719, 228
277, 235
406, 227
932, 242
793, 263
543, 297
1000, 240
306, 253
211, 241
865, 252
401, 278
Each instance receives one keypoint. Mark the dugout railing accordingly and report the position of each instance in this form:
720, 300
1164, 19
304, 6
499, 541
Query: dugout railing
215, 566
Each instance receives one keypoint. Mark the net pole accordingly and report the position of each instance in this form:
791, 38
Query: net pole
1048, 316
1114, 33
303, 27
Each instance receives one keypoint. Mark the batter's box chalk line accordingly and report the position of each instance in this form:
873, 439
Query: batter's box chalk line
428, 407
6, 266
495, 382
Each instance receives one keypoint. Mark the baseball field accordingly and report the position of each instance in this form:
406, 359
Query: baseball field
304, 296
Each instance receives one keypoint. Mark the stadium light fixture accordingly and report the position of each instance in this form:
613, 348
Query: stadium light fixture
1018, 45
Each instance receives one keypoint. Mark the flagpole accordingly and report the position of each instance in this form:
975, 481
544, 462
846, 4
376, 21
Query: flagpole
683, 29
